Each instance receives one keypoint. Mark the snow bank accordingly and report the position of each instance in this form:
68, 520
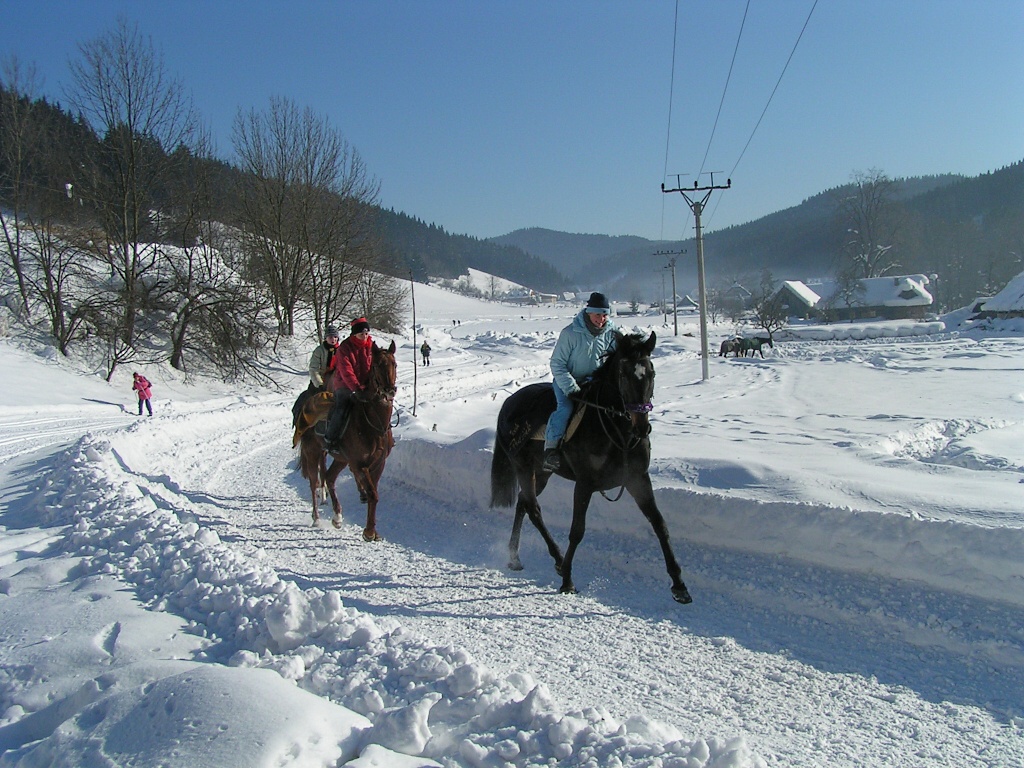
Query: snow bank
881, 329
386, 693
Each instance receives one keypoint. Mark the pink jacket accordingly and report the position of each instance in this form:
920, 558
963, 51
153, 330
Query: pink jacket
143, 387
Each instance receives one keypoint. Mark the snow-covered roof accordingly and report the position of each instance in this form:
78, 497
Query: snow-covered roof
802, 292
686, 301
892, 291
1010, 299
737, 290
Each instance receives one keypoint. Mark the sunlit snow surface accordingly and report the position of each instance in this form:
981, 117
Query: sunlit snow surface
848, 513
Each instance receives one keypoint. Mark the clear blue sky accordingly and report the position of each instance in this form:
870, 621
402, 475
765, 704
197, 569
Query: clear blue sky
484, 117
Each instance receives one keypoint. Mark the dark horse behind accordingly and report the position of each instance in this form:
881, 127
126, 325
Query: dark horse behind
610, 448
365, 444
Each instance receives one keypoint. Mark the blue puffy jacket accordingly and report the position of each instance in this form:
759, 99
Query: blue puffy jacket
578, 352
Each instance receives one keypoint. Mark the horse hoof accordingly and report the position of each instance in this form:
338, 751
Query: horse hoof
336, 521
372, 536
568, 589
515, 565
681, 595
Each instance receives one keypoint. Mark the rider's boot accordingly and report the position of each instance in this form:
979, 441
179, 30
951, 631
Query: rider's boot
332, 432
552, 460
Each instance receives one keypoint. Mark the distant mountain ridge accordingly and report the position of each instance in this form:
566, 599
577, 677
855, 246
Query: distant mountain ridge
982, 213
569, 253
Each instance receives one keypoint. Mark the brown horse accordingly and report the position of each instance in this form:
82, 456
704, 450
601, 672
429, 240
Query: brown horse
365, 444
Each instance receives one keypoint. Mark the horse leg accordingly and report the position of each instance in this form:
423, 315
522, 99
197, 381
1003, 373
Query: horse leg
311, 463
580, 503
367, 479
532, 483
330, 478
314, 494
514, 563
531, 508
639, 487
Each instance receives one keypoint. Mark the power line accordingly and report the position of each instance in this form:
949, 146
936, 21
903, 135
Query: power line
668, 131
770, 97
724, 90
765, 110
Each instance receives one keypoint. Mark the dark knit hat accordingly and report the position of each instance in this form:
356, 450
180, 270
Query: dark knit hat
360, 324
597, 304
331, 330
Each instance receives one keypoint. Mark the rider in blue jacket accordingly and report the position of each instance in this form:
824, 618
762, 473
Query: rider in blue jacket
578, 353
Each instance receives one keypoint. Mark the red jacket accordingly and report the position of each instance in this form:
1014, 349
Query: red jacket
142, 386
351, 364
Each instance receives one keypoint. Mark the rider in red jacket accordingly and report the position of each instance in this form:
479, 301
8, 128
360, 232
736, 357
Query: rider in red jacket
351, 369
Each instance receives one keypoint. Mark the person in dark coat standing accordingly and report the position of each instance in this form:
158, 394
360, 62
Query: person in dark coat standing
144, 390
425, 351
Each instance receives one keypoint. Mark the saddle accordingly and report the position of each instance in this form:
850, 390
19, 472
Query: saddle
535, 423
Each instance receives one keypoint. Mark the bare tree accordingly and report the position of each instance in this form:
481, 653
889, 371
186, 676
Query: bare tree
304, 207
767, 308
849, 294
17, 90
141, 115
872, 221
212, 313
383, 300
714, 305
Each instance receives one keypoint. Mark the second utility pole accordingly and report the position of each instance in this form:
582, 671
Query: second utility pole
675, 306
697, 206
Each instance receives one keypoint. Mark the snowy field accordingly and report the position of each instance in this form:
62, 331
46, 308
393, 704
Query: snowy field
848, 513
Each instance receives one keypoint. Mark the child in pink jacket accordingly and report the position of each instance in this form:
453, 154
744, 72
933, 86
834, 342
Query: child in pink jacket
144, 390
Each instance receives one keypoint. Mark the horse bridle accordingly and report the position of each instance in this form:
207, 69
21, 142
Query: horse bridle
627, 412
385, 395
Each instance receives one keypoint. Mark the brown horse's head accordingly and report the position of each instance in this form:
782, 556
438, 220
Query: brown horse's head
383, 381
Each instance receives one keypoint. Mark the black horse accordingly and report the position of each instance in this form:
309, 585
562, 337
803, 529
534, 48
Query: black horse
610, 448
754, 344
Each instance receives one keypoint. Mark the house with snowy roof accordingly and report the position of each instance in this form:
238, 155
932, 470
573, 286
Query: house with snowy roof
797, 299
892, 298
736, 297
1009, 302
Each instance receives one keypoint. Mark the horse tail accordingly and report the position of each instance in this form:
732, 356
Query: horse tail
307, 465
504, 483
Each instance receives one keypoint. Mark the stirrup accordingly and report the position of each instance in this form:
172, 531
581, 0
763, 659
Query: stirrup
552, 460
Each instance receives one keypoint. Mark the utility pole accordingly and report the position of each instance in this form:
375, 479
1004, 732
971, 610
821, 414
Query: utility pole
672, 265
415, 368
697, 206
664, 306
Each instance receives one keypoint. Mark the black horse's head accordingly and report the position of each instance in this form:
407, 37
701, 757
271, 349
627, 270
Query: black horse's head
628, 371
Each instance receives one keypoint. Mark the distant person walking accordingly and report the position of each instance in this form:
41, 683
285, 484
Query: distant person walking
425, 351
144, 390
